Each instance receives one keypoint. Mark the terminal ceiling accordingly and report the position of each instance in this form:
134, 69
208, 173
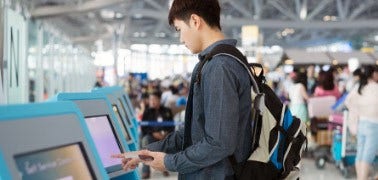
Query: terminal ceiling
288, 23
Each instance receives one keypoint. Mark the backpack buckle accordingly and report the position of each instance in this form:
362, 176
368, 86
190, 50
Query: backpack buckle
258, 102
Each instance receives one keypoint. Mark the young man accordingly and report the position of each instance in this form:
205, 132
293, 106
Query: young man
218, 114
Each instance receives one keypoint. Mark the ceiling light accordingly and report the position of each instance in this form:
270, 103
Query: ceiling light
139, 47
138, 16
326, 18
287, 31
303, 14
329, 18
136, 34
107, 14
160, 34
118, 15
289, 61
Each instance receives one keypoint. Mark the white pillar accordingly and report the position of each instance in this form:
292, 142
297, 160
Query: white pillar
2, 93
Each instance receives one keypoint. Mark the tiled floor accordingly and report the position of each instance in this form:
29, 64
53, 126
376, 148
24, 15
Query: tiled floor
308, 172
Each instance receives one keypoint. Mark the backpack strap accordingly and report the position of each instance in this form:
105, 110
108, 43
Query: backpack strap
232, 51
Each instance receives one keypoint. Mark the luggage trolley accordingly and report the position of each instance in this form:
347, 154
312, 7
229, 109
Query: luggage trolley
344, 145
319, 110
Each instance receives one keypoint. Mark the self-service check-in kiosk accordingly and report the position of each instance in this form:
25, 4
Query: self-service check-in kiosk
120, 108
47, 141
120, 94
110, 134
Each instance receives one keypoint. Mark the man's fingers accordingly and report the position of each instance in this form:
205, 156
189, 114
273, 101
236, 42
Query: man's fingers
145, 152
117, 156
129, 163
125, 168
125, 160
132, 162
133, 166
146, 155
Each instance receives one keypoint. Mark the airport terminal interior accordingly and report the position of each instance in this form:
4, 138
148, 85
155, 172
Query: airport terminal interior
80, 78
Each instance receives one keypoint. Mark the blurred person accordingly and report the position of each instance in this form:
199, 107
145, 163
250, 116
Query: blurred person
182, 101
311, 80
363, 102
340, 103
155, 113
298, 96
166, 89
375, 74
151, 87
326, 86
134, 89
354, 80
171, 101
218, 112
143, 105
100, 82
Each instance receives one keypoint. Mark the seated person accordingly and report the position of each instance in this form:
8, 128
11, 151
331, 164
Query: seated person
150, 134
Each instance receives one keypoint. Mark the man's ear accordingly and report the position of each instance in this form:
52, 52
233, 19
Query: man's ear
195, 21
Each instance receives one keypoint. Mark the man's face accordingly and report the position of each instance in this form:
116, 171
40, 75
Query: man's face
154, 102
188, 35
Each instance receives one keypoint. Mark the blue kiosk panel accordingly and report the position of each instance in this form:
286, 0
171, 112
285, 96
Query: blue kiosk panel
109, 134
120, 111
120, 94
47, 141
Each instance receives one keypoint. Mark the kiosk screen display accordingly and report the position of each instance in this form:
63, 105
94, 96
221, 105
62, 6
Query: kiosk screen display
64, 162
121, 122
123, 109
105, 140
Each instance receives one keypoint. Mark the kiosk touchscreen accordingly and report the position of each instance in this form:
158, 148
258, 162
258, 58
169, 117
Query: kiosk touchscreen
47, 141
123, 99
108, 133
121, 115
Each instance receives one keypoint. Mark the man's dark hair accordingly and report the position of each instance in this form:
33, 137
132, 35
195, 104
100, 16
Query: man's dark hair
156, 94
209, 10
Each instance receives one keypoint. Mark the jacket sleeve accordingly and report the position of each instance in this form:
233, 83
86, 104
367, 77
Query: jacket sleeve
221, 113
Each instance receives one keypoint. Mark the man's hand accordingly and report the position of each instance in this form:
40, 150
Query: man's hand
129, 160
158, 159
158, 135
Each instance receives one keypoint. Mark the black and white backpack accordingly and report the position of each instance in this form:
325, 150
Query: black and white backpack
279, 138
